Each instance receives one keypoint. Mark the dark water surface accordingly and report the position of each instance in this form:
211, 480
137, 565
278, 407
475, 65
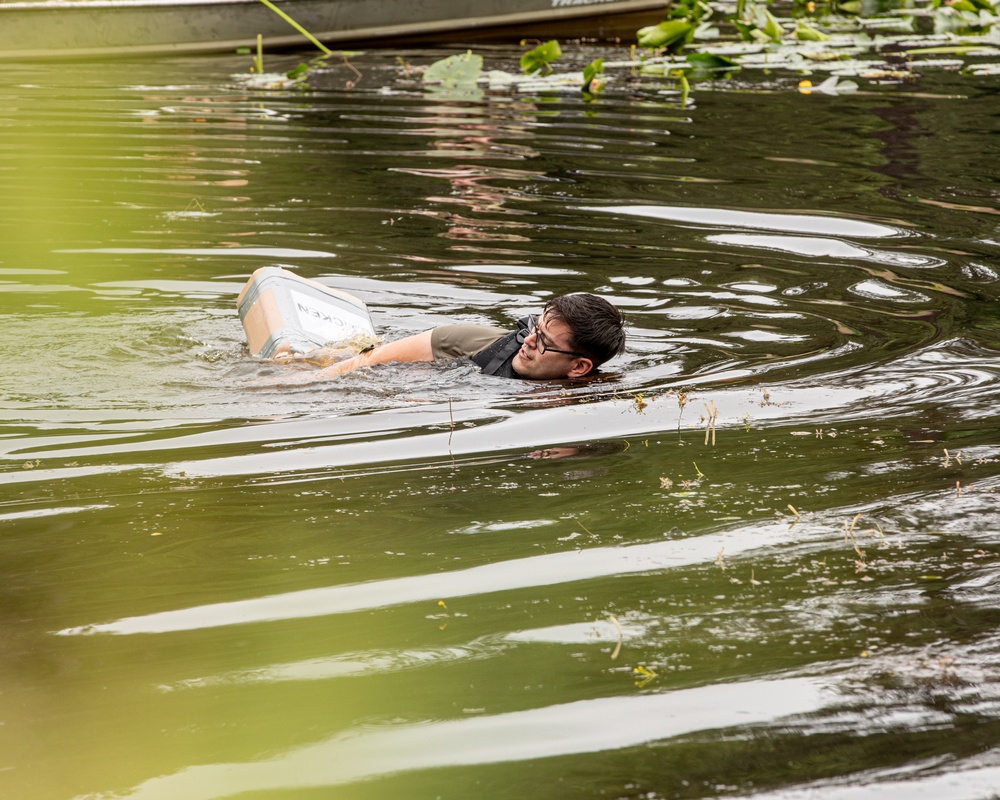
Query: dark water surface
415, 581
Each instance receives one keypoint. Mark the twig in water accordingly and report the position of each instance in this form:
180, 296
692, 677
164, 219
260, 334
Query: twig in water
621, 637
710, 425
796, 513
451, 420
354, 69
849, 532
322, 47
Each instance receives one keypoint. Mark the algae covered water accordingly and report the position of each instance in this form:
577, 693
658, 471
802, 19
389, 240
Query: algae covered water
757, 556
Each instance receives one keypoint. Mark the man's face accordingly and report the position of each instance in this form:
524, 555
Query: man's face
551, 335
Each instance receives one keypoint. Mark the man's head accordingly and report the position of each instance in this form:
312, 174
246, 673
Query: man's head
575, 334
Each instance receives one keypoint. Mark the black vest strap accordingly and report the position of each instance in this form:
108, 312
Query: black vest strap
496, 359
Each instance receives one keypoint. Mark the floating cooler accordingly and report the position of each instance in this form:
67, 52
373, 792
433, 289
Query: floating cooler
283, 313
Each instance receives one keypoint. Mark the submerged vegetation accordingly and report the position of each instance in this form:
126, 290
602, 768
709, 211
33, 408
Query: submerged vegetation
883, 40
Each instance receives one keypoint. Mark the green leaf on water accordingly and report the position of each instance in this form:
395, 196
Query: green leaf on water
768, 25
805, 32
709, 61
708, 66
297, 72
541, 57
672, 34
745, 30
462, 69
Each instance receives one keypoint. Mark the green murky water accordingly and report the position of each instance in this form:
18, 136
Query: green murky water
757, 558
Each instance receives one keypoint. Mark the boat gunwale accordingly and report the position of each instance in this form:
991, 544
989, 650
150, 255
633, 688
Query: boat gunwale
369, 35
590, 8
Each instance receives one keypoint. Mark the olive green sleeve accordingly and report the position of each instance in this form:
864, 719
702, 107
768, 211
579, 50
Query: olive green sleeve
462, 341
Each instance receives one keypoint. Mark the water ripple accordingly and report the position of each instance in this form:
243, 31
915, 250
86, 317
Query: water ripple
754, 220
555, 730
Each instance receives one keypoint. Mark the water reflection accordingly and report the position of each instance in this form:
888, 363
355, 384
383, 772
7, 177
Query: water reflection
488, 133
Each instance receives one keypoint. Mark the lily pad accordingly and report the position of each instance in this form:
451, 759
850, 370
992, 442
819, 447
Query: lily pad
462, 69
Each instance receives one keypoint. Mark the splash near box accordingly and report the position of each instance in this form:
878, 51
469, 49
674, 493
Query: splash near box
284, 314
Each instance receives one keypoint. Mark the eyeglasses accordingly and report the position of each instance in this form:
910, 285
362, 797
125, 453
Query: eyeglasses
542, 346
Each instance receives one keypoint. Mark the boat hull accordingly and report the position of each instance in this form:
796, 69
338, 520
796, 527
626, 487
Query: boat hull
75, 28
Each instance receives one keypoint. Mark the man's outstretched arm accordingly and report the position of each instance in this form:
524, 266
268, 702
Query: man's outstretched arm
409, 349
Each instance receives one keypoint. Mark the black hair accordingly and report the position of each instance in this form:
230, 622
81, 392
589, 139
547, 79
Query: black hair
598, 327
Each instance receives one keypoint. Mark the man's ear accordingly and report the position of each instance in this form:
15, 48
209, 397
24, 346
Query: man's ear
580, 367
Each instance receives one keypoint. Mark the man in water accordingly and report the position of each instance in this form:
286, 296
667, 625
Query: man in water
574, 335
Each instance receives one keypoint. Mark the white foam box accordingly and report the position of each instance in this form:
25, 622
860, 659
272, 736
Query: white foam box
283, 313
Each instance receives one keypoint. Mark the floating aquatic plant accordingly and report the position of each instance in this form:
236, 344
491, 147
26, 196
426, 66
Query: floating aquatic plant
456, 77
541, 57
591, 76
670, 35
831, 37
462, 69
322, 47
297, 74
